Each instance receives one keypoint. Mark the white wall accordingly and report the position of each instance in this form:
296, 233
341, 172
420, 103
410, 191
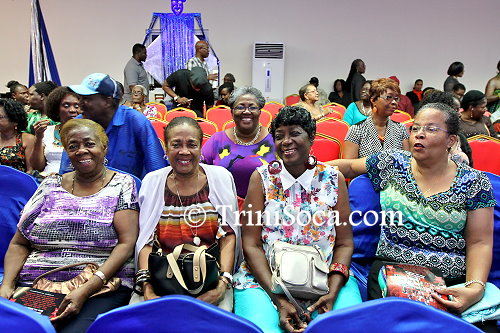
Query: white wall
408, 38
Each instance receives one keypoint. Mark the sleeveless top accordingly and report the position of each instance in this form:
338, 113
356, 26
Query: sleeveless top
14, 156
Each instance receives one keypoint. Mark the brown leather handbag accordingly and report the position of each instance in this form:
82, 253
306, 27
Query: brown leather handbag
65, 287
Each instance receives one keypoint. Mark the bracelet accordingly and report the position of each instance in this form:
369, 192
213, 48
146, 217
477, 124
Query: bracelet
228, 276
101, 276
468, 283
176, 98
338, 268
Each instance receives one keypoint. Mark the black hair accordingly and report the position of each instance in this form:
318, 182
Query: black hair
230, 76
452, 120
13, 84
314, 80
342, 82
45, 87
53, 102
498, 66
352, 71
437, 96
472, 98
294, 115
183, 121
228, 85
458, 86
137, 48
15, 112
418, 80
455, 68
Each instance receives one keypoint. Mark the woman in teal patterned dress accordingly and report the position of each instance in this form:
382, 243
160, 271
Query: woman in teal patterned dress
447, 207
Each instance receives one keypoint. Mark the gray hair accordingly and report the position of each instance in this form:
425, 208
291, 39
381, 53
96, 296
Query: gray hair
452, 119
144, 90
247, 91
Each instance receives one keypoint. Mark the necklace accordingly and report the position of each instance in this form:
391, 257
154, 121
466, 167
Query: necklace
196, 239
366, 112
238, 141
102, 183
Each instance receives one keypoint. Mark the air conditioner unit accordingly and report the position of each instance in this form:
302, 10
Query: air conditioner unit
268, 70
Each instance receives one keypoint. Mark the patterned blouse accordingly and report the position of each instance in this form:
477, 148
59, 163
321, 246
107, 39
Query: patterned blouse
432, 230
14, 156
65, 229
365, 135
309, 219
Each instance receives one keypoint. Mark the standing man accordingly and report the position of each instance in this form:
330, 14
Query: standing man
134, 72
201, 52
133, 145
191, 89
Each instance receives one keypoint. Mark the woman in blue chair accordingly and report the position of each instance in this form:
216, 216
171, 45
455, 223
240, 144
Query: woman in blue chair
446, 207
299, 186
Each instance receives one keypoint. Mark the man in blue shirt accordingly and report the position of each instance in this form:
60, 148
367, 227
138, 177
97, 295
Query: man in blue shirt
133, 144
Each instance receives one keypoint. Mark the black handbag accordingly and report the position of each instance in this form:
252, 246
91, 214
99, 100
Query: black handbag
190, 273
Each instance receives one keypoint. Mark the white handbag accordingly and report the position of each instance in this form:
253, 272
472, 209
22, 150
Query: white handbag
298, 271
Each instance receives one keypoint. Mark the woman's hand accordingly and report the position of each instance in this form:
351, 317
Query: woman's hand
149, 293
323, 304
463, 298
40, 127
289, 317
6, 291
72, 304
216, 295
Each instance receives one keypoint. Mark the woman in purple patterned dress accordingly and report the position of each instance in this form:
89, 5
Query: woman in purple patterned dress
89, 215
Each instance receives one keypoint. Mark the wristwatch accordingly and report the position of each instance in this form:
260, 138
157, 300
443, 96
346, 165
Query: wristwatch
176, 98
227, 276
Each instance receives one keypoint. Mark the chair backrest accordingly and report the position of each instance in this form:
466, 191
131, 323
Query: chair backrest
335, 128
273, 108
265, 118
219, 115
408, 124
18, 318
326, 148
161, 109
16, 189
494, 276
390, 314
208, 127
159, 127
401, 116
138, 181
179, 112
485, 152
337, 107
333, 114
228, 124
292, 99
185, 314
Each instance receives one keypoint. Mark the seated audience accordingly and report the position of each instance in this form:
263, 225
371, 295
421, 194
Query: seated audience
416, 94
133, 144
309, 100
492, 93
458, 91
295, 183
225, 91
322, 94
59, 226
455, 71
472, 118
38, 93
61, 105
339, 94
19, 92
443, 203
167, 194
16, 147
359, 110
138, 101
247, 145
378, 132
404, 103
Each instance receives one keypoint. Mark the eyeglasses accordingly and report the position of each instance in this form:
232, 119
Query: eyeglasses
426, 129
311, 91
242, 108
390, 98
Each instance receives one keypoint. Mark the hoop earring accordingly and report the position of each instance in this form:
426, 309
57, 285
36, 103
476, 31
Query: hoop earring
311, 162
105, 161
274, 167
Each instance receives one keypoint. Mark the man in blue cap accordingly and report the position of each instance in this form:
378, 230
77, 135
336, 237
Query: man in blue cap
133, 144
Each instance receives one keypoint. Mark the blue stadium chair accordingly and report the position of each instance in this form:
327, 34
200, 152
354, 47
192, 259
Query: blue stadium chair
138, 182
172, 314
16, 189
17, 318
390, 315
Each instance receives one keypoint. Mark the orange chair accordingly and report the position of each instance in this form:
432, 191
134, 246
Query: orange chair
292, 99
179, 112
332, 127
485, 150
159, 126
337, 107
219, 115
326, 148
265, 118
208, 127
273, 108
332, 113
161, 109
228, 124
401, 116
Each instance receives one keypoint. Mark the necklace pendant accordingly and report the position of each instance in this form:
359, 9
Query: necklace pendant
196, 241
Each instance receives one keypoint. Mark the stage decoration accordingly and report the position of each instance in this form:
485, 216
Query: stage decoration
177, 6
42, 63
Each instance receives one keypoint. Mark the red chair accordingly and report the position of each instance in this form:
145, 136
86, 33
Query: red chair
485, 152
179, 112
337, 107
159, 126
208, 127
273, 108
292, 99
332, 113
228, 124
408, 124
265, 118
219, 115
401, 116
326, 148
332, 127
161, 109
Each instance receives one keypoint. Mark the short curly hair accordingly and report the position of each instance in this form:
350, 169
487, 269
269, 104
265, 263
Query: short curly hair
294, 115
380, 86
256, 93
79, 123
53, 102
45, 87
15, 112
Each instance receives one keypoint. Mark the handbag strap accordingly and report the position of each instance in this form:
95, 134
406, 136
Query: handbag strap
199, 264
61, 269
290, 297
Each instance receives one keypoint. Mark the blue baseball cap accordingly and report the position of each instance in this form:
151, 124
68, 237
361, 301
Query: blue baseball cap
97, 83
